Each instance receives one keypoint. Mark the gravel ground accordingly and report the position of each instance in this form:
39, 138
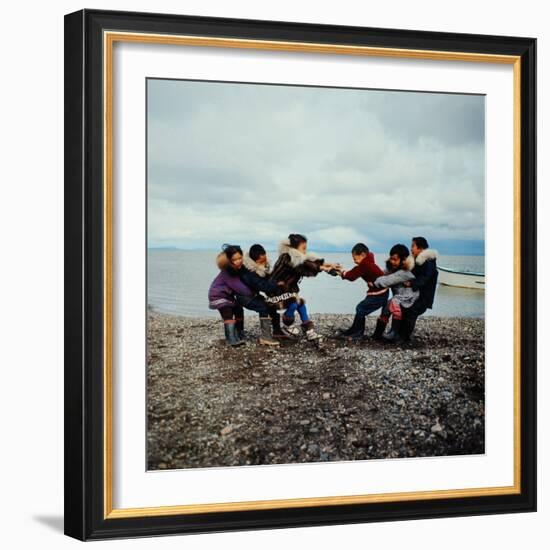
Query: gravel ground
212, 405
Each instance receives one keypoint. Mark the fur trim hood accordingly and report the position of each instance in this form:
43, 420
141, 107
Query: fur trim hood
296, 257
408, 264
251, 265
221, 260
425, 255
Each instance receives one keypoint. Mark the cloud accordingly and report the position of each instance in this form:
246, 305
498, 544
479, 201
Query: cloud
249, 163
339, 236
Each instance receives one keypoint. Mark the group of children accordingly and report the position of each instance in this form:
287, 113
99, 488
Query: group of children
249, 281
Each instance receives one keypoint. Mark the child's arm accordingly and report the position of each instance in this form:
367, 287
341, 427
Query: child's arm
261, 284
238, 286
267, 286
353, 274
369, 270
392, 279
310, 268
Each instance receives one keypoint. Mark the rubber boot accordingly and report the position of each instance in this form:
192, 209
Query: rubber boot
266, 338
395, 333
276, 325
357, 328
231, 335
288, 321
239, 329
379, 330
407, 328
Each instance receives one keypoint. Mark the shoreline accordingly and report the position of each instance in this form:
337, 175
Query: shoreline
209, 405
345, 317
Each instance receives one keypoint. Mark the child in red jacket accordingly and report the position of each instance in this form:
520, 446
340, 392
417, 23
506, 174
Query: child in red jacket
376, 298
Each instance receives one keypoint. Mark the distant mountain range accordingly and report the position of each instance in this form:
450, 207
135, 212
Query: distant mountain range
444, 246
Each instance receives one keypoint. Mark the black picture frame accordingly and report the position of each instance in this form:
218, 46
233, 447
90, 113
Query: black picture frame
84, 281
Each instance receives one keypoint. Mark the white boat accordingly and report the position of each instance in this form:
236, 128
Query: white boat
462, 279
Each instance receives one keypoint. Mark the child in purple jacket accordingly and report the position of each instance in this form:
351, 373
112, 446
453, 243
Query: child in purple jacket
228, 294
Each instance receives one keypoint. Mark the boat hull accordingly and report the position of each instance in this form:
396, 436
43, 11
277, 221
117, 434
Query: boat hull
461, 279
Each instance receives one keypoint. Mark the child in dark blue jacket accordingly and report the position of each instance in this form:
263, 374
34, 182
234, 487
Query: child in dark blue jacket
255, 275
425, 272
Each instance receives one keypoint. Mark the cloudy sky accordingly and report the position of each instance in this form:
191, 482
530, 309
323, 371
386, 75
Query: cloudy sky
245, 163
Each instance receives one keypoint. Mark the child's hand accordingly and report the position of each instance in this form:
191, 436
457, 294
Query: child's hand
408, 284
370, 284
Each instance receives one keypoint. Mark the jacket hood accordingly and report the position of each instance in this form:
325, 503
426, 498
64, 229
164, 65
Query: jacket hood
425, 255
296, 257
408, 264
251, 265
221, 260
225, 265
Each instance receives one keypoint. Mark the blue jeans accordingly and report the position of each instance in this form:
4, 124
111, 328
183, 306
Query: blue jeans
300, 308
370, 304
364, 307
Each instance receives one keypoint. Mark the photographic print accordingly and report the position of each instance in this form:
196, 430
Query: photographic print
278, 238
315, 274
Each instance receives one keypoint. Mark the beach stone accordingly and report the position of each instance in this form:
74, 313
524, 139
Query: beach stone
313, 449
436, 428
209, 405
227, 430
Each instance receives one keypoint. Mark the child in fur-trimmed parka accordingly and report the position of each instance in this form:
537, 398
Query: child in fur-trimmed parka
293, 263
398, 275
426, 274
255, 274
229, 295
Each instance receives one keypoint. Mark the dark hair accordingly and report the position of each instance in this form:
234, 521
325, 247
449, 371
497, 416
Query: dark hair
231, 249
400, 250
421, 242
360, 248
295, 239
256, 250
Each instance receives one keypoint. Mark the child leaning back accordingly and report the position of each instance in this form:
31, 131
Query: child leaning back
255, 274
293, 263
229, 294
376, 298
398, 272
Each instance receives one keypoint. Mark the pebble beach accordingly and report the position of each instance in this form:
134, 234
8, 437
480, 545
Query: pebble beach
210, 405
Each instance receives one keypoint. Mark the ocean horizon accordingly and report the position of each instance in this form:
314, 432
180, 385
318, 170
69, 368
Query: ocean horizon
178, 282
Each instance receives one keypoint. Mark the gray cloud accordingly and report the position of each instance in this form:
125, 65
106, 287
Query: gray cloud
246, 163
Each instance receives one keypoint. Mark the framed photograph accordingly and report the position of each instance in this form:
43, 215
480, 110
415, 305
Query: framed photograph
300, 274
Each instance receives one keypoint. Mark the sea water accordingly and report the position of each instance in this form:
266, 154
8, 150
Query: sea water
178, 282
